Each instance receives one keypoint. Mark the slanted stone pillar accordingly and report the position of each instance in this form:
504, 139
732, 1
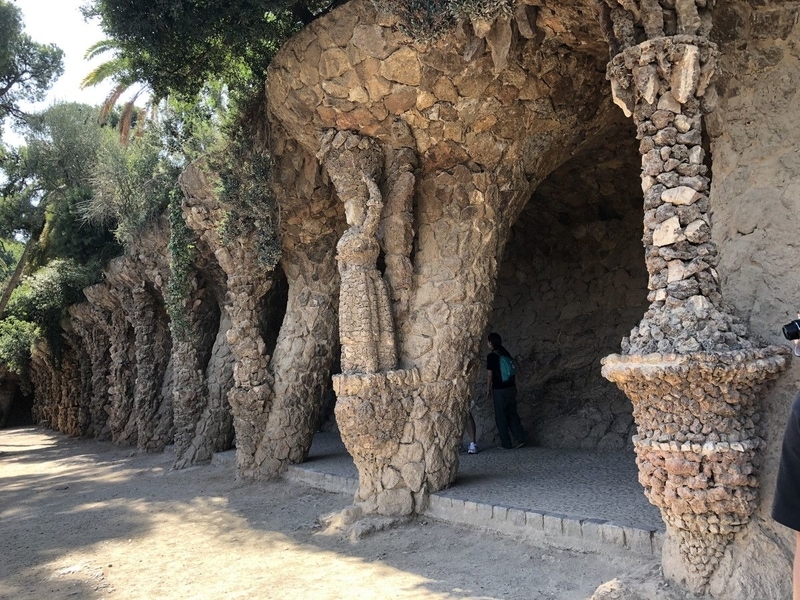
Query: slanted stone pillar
247, 283
152, 408
690, 369
91, 323
122, 374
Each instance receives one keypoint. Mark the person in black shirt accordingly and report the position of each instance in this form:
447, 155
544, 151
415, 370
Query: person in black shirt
504, 396
786, 506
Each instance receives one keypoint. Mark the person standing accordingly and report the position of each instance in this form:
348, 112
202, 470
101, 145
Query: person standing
786, 506
501, 387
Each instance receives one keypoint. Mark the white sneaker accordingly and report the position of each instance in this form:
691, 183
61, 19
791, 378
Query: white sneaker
473, 448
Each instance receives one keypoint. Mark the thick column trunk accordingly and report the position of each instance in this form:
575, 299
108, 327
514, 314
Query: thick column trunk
203, 421
153, 411
122, 374
46, 388
690, 369
301, 363
91, 323
251, 395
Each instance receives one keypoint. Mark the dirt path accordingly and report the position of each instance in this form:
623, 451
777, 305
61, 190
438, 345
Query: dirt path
80, 519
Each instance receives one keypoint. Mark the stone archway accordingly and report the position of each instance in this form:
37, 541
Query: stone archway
571, 284
457, 138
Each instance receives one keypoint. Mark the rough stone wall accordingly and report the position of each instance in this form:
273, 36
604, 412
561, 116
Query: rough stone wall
486, 126
754, 143
572, 283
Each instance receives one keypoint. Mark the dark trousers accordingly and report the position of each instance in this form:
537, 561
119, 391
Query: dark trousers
506, 417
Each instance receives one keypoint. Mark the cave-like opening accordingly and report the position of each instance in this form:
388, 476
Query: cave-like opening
571, 284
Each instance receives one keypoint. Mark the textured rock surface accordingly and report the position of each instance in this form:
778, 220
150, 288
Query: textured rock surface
485, 131
572, 282
697, 444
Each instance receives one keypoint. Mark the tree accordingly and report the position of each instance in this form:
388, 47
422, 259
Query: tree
27, 68
47, 182
178, 45
117, 69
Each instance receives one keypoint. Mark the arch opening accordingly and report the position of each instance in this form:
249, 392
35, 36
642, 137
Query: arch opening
571, 285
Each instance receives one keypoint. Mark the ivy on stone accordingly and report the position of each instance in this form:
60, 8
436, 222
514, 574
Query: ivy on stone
181, 257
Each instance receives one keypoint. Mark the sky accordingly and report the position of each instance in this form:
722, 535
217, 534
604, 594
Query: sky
60, 22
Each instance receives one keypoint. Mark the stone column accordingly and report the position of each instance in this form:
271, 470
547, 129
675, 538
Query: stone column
91, 323
121, 377
189, 393
203, 421
153, 411
46, 387
689, 368
114, 397
247, 283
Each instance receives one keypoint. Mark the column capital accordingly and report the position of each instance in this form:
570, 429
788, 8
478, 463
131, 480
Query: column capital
673, 70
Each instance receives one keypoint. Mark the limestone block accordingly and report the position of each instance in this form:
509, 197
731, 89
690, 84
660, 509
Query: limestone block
334, 63
396, 502
698, 232
372, 41
668, 232
686, 72
668, 102
681, 195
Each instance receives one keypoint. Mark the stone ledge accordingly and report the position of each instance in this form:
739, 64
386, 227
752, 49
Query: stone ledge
224, 459
323, 481
552, 529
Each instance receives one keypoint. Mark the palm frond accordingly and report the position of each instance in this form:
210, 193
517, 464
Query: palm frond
100, 47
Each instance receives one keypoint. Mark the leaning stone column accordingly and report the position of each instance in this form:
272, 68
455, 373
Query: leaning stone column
153, 410
91, 323
247, 284
693, 375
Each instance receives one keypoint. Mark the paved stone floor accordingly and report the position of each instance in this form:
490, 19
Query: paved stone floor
575, 483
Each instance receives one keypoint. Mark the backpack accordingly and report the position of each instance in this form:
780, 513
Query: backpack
507, 368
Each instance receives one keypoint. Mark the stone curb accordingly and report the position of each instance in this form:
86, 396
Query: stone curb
323, 481
552, 529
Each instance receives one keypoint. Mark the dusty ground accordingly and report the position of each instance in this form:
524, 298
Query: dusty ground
81, 519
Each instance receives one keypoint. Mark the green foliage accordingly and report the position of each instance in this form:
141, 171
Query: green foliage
244, 171
42, 299
192, 128
178, 45
10, 252
16, 339
131, 185
49, 179
181, 255
27, 69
